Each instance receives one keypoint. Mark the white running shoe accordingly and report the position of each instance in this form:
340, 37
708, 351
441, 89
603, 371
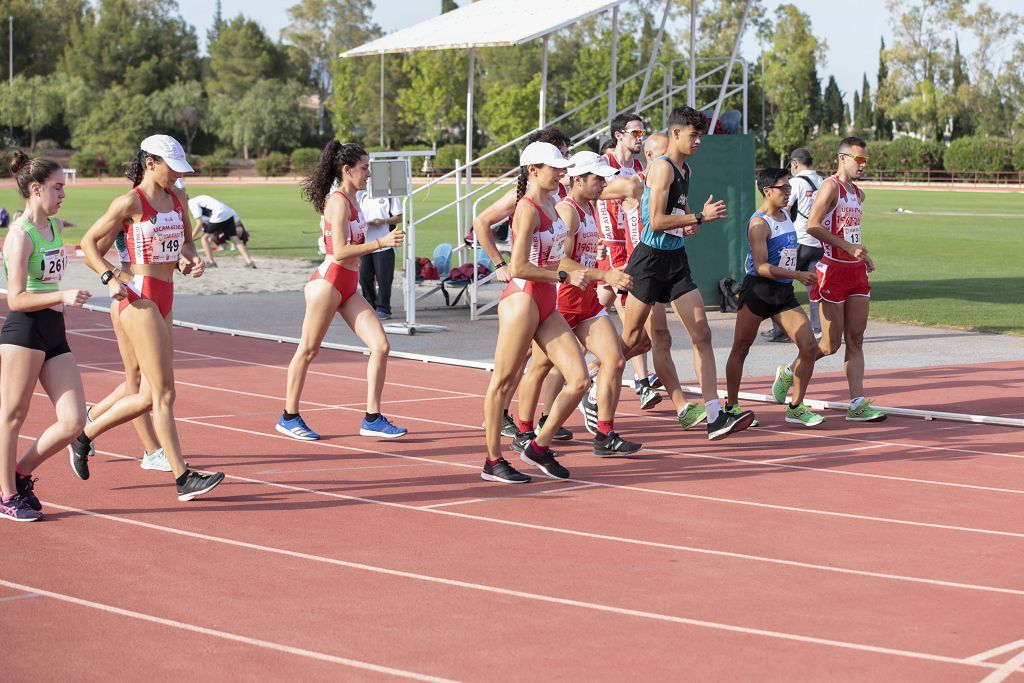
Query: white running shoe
156, 461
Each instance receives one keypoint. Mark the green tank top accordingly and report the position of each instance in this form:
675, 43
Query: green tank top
47, 262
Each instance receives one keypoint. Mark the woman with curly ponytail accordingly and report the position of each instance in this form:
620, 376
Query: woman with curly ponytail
333, 287
33, 342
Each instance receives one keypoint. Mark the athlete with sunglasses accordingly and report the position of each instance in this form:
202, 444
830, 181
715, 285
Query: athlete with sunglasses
842, 288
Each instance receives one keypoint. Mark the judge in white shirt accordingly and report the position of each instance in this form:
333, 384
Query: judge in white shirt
217, 221
377, 270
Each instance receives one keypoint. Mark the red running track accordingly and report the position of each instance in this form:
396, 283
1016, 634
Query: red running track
853, 552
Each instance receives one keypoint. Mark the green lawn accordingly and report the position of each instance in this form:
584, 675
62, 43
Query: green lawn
955, 262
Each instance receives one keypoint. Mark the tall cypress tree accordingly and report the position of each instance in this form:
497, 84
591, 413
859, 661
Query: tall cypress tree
864, 117
834, 114
962, 123
883, 124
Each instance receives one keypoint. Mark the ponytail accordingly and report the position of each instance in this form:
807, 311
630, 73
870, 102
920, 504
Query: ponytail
524, 177
136, 168
27, 171
335, 155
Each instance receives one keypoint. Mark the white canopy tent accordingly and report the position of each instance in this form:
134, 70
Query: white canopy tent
496, 23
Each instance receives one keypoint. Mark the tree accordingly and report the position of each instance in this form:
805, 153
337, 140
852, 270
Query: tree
883, 125
183, 108
448, 6
141, 44
962, 95
320, 30
41, 32
790, 73
115, 124
270, 116
432, 102
241, 56
863, 116
834, 114
33, 103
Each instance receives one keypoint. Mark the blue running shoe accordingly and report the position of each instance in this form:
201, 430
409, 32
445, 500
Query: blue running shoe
382, 428
297, 429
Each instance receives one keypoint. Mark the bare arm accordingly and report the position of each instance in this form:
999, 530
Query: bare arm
758, 233
495, 213
622, 188
17, 249
525, 222
338, 214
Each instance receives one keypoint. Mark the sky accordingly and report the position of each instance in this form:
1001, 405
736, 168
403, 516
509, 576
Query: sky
852, 45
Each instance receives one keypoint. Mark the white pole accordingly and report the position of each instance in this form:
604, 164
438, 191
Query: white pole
543, 105
466, 211
10, 74
745, 80
410, 262
654, 56
728, 69
691, 91
613, 86
382, 101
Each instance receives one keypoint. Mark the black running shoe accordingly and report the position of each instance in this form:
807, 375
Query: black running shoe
613, 444
521, 442
508, 427
729, 423
79, 459
197, 484
589, 410
25, 485
545, 461
562, 434
501, 471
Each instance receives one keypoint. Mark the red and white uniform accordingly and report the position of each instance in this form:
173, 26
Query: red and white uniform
634, 226
579, 305
840, 274
547, 248
154, 239
611, 219
345, 280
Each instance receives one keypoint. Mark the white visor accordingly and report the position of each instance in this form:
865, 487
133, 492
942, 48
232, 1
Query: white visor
537, 153
590, 162
168, 149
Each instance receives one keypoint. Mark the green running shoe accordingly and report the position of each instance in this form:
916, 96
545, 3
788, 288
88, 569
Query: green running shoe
782, 384
693, 414
865, 413
736, 410
802, 415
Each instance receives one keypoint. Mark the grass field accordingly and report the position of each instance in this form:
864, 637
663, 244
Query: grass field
956, 261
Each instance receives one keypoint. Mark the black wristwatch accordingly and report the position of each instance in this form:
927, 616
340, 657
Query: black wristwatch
699, 216
499, 266
562, 276
107, 277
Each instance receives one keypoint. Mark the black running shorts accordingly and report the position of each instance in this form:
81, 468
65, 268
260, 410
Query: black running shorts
659, 276
807, 256
226, 228
765, 298
40, 330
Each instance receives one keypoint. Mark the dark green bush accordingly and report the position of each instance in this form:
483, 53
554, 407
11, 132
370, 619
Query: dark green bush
273, 165
1018, 157
448, 156
213, 165
303, 160
89, 165
906, 154
824, 150
979, 154
504, 160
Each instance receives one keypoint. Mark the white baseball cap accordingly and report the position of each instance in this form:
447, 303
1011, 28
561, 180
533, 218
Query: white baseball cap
590, 162
543, 153
168, 149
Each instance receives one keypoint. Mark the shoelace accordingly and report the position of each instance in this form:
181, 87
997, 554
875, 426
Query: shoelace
29, 482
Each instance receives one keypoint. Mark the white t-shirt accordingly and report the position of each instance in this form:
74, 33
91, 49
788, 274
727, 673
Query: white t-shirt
377, 209
803, 197
219, 211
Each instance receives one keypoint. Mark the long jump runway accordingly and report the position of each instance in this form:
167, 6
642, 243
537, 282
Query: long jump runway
888, 551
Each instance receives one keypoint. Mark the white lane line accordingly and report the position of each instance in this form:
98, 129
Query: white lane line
19, 596
525, 494
1011, 666
616, 539
817, 455
497, 590
254, 642
989, 654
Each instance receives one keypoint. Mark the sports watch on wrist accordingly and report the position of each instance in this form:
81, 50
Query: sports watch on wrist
562, 276
699, 216
107, 277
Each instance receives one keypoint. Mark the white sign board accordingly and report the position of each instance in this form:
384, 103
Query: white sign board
389, 178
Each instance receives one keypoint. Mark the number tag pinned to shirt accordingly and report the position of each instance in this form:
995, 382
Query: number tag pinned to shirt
55, 262
851, 233
787, 258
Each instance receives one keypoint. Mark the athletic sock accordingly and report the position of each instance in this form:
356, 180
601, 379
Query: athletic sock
794, 406
289, 416
855, 403
180, 481
712, 408
84, 440
372, 417
7, 499
642, 381
605, 426
525, 426
17, 471
729, 407
537, 448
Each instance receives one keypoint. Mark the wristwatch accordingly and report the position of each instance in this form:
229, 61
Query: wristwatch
107, 277
562, 276
699, 216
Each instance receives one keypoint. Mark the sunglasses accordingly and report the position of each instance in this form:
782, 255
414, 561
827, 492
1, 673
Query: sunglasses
780, 187
635, 133
859, 158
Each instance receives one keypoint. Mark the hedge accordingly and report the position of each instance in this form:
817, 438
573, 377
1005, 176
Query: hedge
979, 154
303, 160
89, 165
1018, 157
505, 159
213, 165
824, 150
449, 155
905, 154
274, 164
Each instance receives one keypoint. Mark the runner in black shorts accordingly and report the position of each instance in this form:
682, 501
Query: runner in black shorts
767, 292
661, 274
33, 342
